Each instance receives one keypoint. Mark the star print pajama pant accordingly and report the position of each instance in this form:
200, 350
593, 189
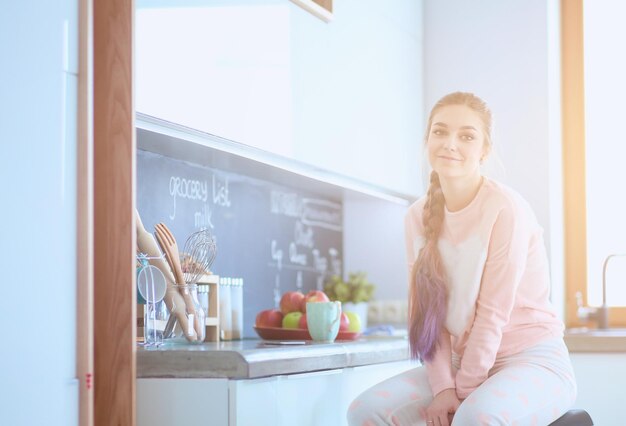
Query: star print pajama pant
533, 387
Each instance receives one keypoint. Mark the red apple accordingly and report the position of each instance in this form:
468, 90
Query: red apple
291, 302
269, 318
344, 324
302, 323
314, 296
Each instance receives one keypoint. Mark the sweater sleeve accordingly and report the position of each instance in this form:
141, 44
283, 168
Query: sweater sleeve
439, 370
503, 270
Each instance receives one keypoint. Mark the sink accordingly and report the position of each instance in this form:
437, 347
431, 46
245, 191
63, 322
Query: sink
584, 331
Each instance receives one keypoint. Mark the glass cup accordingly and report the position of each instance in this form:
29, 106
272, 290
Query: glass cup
151, 287
154, 320
196, 317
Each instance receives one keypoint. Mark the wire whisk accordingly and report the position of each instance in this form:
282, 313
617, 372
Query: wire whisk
198, 255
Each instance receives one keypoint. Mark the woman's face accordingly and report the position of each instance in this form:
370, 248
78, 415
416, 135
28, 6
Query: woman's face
456, 142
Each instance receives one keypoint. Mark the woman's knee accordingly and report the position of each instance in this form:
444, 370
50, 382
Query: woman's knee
365, 410
388, 402
475, 413
355, 412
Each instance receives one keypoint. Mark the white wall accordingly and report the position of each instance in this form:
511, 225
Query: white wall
344, 96
373, 241
38, 80
508, 54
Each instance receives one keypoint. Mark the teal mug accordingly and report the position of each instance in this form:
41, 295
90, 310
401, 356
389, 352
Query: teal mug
323, 320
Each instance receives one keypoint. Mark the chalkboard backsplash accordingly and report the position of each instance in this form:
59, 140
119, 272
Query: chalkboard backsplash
275, 237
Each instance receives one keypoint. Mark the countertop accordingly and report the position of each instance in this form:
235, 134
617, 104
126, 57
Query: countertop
253, 358
594, 340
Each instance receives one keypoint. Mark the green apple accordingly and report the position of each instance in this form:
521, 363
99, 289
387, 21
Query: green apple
291, 320
355, 322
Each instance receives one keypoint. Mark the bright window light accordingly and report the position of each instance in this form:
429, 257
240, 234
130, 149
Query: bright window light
605, 135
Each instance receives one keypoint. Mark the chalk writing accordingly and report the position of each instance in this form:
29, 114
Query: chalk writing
303, 236
202, 218
320, 262
311, 211
187, 189
277, 255
277, 293
321, 213
299, 280
220, 192
287, 204
294, 256
335, 261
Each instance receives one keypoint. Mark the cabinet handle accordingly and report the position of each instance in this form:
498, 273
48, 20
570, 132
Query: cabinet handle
314, 374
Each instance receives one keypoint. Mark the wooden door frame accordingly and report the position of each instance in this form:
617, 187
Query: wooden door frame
114, 298
574, 178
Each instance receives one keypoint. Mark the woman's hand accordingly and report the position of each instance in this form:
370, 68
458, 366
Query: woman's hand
441, 409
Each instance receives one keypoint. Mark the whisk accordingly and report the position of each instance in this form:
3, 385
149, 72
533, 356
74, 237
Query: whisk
198, 255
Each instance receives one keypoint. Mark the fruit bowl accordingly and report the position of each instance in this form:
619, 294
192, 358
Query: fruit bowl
277, 333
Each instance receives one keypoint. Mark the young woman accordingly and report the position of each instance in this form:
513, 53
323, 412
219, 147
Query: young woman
480, 318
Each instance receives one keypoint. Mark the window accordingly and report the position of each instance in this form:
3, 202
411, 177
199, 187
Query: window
594, 89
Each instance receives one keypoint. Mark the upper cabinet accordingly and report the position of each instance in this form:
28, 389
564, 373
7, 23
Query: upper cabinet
343, 96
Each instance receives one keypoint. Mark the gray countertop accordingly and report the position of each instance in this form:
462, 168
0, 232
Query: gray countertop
252, 358
583, 339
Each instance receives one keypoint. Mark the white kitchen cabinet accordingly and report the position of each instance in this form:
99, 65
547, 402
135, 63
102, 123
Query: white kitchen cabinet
339, 96
313, 398
601, 378
169, 402
304, 399
307, 399
254, 402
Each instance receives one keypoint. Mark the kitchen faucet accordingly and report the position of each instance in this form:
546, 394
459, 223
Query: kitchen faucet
601, 313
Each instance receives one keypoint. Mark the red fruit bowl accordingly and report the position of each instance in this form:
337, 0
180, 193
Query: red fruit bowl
277, 333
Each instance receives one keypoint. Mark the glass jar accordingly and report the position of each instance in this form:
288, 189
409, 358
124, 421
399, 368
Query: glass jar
203, 297
225, 309
154, 321
236, 305
196, 317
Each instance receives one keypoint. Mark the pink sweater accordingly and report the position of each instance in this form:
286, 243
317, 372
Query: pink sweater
498, 284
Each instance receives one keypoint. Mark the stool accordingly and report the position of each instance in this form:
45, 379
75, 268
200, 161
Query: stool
573, 418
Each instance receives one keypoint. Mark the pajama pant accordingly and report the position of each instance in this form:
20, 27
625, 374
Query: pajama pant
533, 387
